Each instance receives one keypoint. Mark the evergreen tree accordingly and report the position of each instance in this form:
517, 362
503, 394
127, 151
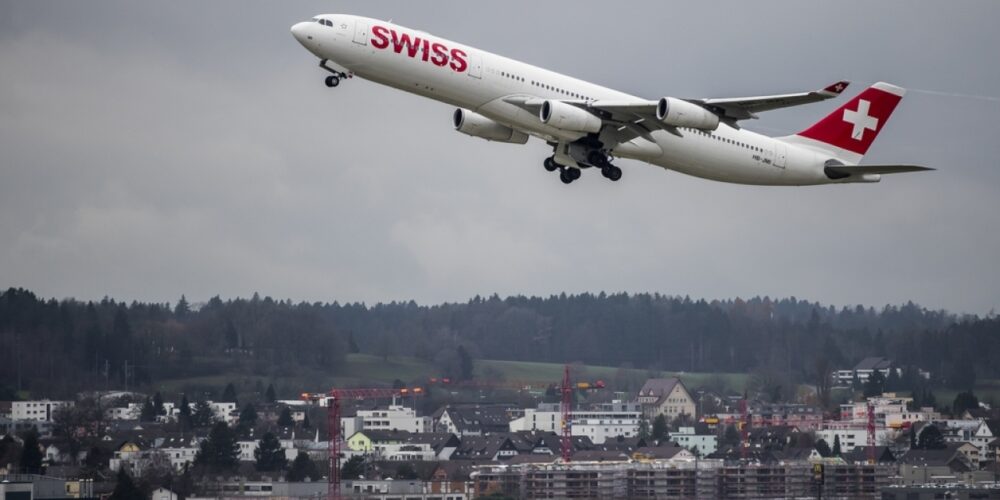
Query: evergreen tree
352, 346
182, 309
158, 404
353, 468
643, 428
875, 385
148, 412
248, 417
660, 428
269, 395
305, 421
31, 453
203, 415
893, 382
125, 488
964, 401
836, 446
913, 438
269, 455
285, 418
731, 436
823, 448
302, 467
229, 394
464, 363
232, 336
184, 413
931, 438
219, 452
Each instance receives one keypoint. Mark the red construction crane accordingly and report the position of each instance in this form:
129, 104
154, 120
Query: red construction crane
871, 432
567, 402
744, 428
334, 397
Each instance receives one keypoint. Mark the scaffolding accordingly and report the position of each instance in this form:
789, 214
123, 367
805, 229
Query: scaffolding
698, 479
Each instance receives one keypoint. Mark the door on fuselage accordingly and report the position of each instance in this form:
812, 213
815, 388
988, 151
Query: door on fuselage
361, 29
475, 66
780, 152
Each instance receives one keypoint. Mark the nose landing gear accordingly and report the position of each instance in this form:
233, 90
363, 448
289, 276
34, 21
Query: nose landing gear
334, 79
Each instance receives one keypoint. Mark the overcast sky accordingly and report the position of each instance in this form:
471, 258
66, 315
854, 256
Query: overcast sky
149, 150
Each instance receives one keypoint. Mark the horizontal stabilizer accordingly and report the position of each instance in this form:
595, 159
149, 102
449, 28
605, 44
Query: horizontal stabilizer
840, 171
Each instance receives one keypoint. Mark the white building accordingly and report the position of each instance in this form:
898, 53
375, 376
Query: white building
603, 422
850, 438
38, 411
687, 438
393, 418
248, 447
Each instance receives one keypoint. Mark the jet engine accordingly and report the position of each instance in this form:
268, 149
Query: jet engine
678, 113
568, 117
477, 125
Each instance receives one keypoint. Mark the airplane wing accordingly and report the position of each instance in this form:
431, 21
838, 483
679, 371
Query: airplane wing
741, 108
633, 119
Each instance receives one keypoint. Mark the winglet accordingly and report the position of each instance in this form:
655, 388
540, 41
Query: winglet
835, 89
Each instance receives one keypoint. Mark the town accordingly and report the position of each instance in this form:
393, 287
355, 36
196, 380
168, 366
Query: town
578, 440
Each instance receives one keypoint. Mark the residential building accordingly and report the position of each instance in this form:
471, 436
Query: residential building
687, 437
403, 445
393, 418
38, 410
667, 397
803, 417
286, 439
851, 437
867, 366
599, 423
475, 419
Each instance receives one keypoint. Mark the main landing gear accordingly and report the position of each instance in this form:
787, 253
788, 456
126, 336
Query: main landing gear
595, 159
600, 160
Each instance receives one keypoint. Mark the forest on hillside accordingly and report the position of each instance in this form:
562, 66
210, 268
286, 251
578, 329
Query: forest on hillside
59, 346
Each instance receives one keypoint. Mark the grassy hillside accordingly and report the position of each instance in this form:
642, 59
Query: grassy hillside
364, 370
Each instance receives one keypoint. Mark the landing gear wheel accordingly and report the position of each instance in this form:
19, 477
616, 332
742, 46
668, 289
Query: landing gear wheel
565, 176
550, 164
574, 173
332, 81
611, 172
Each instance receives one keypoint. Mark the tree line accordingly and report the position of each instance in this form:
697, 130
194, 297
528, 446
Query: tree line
54, 345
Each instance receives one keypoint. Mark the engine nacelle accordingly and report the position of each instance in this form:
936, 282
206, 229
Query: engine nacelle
678, 113
477, 125
568, 117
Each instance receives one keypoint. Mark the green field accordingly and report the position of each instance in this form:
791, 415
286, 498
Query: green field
363, 370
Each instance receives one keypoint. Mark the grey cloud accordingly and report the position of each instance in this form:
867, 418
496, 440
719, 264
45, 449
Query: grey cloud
183, 147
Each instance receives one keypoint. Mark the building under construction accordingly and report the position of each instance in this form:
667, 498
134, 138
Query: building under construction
706, 479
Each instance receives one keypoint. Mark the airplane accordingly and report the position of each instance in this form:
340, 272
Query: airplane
587, 125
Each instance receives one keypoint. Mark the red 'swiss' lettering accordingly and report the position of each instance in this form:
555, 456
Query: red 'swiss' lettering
380, 37
458, 60
436, 53
440, 54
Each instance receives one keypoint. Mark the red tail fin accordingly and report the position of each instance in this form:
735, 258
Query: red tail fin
854, 126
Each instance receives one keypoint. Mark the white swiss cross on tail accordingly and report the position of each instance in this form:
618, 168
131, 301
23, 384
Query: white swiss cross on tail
861, 120
849, 131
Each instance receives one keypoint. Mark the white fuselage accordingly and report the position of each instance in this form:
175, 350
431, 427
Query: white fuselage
727, 154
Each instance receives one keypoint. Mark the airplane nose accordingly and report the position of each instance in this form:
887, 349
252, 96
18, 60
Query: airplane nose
299, 32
